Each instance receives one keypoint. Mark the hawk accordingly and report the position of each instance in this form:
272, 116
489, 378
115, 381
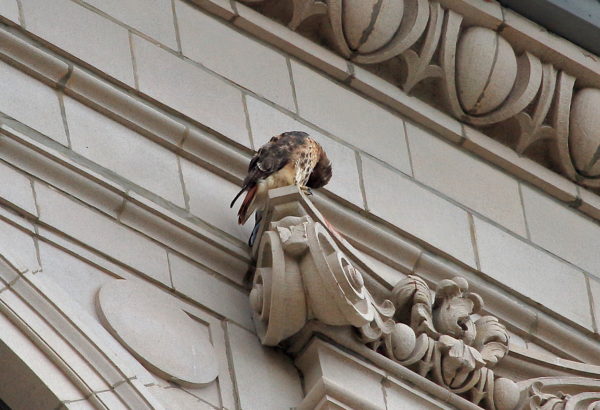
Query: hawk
291, 158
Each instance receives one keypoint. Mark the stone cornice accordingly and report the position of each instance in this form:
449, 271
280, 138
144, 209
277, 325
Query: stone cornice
309, 277
493, 69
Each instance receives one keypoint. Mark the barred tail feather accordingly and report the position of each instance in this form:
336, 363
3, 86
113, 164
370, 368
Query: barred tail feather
237, 196
243, 213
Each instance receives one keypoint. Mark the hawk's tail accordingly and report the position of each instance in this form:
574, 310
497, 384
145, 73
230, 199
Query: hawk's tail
243, 212
237, 196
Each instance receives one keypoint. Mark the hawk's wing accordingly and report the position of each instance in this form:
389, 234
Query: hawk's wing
270, 158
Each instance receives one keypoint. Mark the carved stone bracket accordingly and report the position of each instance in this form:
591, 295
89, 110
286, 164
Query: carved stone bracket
306, 273
533, 106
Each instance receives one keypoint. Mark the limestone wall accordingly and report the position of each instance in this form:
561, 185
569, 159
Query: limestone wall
126, 129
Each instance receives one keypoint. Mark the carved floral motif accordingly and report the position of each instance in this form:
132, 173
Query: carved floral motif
306, 271
484, 80
303, 274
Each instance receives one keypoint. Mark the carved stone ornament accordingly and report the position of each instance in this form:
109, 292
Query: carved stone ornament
420, 46
307, 272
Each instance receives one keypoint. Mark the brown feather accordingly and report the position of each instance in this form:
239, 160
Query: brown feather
245, 204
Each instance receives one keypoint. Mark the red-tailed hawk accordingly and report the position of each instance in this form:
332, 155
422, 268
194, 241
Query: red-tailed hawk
291, 158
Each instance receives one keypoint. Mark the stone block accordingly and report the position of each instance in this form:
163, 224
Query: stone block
266, 121
595, 302
124, 152
417, 211
351, 117
241, 59
18, 245
466, 179
562, 230
16, 189
179, 232
209, 291
521, 167
590, 203
533, 273
111, 400
40, 165
78, 405
291, 42
101, 233
23, 364
178, 399
153, 18
55, 342
9, 9
266, 378
189, 89
399, 395
209, 199
31, 102
84, 34
347, 379
78, 279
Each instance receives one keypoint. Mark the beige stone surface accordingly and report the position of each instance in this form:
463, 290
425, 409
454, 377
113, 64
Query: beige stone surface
21, 359
562, 230
31, 102
10, 10
351, 117
466, 179
16, 188
209, 199
418, 211
123, 151
111, 400
399, 395
266, 121
19, 245
291, 42
152, 17
80, 405
178, 399
209, 291
266, 379
102, 233
235, 56
595, 292
533, 273
187, 88
52, 170
155, 329
79, 279
106, 46
359, 379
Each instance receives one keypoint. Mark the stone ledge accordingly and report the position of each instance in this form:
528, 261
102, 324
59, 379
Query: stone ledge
474, 12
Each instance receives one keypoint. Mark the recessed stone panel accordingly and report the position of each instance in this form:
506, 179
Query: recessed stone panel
155, 330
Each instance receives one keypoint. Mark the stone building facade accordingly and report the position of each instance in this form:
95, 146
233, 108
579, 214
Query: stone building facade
452, 262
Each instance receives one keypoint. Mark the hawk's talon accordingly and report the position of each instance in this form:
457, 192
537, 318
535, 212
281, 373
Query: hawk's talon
306, 190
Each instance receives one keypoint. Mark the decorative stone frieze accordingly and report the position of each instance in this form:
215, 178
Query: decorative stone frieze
307, 273
537, 108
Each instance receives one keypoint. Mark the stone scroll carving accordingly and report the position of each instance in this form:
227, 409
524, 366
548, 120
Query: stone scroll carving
306, 271
526, 103
303, 274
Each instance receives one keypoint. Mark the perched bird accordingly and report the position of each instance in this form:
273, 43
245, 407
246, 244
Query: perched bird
291, 158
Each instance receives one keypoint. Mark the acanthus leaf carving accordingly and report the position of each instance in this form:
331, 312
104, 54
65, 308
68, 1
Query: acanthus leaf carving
307, 272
